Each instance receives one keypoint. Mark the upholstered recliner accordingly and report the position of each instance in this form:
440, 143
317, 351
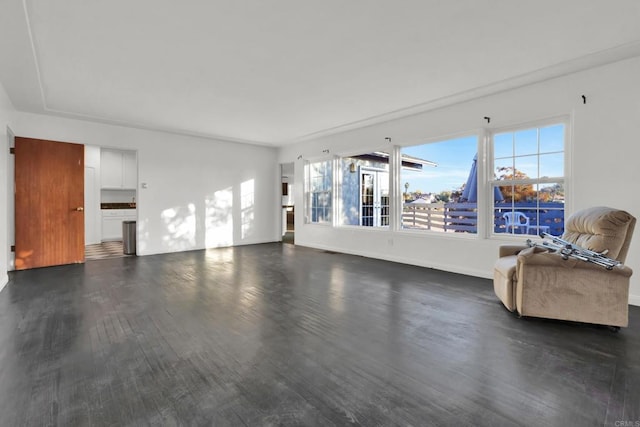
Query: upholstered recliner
540, 283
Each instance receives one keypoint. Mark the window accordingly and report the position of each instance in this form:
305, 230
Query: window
439, 186
528, 181
364, 196
517, 174
319, 194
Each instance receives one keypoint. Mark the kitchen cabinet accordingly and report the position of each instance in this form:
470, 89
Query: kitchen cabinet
112, 222
129, 170
118, 169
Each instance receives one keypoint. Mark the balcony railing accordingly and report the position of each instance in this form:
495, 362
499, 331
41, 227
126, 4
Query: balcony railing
463, 217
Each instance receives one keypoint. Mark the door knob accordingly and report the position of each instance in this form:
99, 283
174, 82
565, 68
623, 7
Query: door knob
80, 209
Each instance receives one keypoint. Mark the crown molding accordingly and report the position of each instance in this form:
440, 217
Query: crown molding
594, 60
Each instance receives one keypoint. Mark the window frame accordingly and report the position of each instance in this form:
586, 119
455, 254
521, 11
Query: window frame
486, 182
480, 135
308, 194
490, 183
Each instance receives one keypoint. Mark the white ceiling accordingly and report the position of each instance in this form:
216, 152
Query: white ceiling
280, 71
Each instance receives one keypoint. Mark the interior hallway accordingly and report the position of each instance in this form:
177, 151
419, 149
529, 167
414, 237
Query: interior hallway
285, 335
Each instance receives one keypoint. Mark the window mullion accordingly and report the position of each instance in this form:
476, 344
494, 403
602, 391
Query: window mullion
395, 205
539, 200
336, 190
484, 187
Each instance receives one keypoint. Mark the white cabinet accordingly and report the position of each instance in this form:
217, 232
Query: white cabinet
110, 168
118, 169
111, 229
112, 222
129, 170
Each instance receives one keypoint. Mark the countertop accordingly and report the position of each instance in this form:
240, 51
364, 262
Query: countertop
117, 205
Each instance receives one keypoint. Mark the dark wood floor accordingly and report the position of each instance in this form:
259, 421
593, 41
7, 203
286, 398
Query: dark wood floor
276, 334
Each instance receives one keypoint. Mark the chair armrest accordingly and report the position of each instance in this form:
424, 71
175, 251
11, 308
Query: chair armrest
507, 250
550, 259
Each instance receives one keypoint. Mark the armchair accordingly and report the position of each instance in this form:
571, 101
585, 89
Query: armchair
538, 283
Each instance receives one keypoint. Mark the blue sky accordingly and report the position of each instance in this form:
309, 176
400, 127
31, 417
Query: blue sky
455, 157
524, 145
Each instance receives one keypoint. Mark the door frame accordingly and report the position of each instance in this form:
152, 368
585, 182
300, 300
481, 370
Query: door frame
11, 202
286, 175
379, 176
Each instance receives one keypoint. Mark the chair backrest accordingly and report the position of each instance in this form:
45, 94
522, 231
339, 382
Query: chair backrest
601, 228
515, 218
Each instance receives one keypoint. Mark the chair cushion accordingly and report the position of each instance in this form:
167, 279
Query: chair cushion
599, 229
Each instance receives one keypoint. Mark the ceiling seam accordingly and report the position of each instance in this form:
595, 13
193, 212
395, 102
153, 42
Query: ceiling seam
150, 128
35, 55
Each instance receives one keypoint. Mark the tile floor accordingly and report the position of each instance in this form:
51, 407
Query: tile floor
104, 250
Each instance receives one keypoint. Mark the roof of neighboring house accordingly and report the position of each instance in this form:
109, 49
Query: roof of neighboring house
408, 162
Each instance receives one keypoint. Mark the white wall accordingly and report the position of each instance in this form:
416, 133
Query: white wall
199, 192
604, 170
116, 196
92, 218
6, 113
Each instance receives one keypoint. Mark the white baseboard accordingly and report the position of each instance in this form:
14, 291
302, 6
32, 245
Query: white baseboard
161, 251
452, 268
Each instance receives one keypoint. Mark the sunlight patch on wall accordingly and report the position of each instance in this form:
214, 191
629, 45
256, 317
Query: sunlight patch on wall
143, 233
180, 225
219, 219
247, 191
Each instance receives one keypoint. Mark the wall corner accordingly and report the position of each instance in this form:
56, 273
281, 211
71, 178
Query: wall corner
4, 279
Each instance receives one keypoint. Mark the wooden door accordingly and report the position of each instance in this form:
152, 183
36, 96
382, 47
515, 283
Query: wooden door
49, 216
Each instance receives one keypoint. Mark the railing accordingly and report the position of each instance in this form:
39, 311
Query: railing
463, 217
547, 216
451, 217
425, 216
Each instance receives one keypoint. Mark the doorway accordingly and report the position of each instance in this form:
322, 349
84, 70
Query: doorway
374, 198
110, 199
288, 206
